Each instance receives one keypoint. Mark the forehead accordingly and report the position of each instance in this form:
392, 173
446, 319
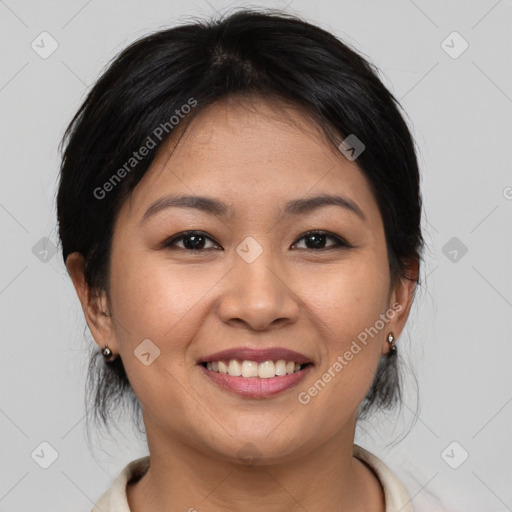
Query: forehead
253, 154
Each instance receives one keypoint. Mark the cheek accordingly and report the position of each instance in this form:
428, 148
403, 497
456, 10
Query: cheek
347, 299
346, 307
152, 297
165, 304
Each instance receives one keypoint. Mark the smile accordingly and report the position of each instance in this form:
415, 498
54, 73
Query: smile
248, 369
255, 380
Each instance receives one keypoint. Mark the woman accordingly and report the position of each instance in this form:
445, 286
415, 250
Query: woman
239, 211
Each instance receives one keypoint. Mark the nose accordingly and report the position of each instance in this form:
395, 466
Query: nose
258, 295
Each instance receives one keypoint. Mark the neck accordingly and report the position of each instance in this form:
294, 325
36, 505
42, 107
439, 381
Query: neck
326, 478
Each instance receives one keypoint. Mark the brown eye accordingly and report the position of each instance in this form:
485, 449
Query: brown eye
192, 241
316, 240
198, 241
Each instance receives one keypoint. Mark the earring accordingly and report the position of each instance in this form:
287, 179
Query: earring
107, 353
391, 340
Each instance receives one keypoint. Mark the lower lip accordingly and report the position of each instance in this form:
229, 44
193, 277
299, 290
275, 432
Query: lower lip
255, 387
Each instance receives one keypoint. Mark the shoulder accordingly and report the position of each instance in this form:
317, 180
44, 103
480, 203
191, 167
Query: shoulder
114, 498
396, 497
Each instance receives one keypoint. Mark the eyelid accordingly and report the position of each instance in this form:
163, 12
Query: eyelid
169, 242
341, 243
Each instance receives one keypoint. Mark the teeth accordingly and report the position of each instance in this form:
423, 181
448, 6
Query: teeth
266, 370
234, 368
263, 370
280, 367
249, 369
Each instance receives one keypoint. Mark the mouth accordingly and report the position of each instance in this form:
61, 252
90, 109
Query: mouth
256, 373
248, 369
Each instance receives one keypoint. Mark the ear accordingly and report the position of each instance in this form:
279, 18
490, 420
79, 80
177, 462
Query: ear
401, 299
94, 304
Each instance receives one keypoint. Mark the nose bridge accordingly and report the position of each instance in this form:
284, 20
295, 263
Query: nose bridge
257, 293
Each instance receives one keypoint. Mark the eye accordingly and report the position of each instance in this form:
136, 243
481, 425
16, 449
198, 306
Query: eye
317, 239
197, 241
192, 241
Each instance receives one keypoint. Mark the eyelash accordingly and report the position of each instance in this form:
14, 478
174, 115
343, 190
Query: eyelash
340, 242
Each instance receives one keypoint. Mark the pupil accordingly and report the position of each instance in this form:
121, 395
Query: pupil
198, 244
318, 240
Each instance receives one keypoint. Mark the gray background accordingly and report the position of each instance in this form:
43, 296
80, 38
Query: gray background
458, 336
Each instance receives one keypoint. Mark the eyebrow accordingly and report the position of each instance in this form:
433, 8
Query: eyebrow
220, 209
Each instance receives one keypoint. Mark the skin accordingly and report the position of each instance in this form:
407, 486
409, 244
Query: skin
254, 157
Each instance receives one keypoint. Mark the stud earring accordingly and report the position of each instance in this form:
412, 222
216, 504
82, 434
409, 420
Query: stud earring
391, 341
107, 353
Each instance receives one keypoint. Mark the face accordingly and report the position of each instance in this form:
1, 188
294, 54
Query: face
195, 279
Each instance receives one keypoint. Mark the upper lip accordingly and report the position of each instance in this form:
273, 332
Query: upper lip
257, 355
